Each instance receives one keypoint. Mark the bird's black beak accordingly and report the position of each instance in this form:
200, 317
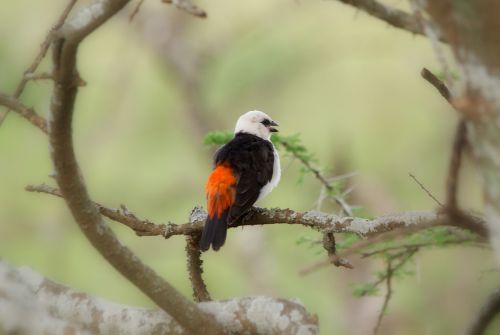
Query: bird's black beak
273, 124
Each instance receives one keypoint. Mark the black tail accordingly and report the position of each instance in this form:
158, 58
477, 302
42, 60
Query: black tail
214, 232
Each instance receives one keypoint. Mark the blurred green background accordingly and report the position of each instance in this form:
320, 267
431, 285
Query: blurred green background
349, 84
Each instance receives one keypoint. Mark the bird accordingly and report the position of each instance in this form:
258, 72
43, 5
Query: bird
246, 169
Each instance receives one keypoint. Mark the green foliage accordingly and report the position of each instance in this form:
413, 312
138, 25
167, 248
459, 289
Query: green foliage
292, 144
218, 138
364, 289
438, 236
337, 187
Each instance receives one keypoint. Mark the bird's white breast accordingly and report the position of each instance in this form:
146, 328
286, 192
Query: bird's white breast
274, 179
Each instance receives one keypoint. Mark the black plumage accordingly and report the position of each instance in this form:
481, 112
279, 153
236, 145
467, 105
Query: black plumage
252, 160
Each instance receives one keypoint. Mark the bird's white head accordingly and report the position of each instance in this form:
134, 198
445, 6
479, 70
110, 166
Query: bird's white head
256, 123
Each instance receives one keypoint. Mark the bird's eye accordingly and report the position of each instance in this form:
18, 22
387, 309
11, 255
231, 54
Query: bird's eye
266, 122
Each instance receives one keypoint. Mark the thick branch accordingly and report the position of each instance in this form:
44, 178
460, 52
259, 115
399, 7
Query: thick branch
395, 17
73, 190
31, 304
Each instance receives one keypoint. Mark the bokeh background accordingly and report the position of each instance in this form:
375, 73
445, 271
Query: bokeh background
349, 84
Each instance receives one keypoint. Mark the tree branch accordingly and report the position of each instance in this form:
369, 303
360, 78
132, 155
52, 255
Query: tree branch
195, 269
32, 304
73, 189
395, 17
319, 221
459, 143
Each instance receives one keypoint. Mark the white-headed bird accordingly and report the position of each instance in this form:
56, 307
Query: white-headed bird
245, 170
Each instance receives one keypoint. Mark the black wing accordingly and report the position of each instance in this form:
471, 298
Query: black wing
252, 158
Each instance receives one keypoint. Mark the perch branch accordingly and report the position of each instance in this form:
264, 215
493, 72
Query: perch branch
394, 17
313, 219
32, 304
72, 186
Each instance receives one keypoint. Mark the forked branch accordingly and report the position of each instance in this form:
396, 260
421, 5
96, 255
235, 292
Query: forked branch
73, 189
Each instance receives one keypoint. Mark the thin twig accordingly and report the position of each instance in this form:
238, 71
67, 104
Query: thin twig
388, 295
135, 11
426, 190
40, 56
341, 202
28, 113
423, 245
487, 313
39, 76
403, 257
438, 84
459, 143
188, 7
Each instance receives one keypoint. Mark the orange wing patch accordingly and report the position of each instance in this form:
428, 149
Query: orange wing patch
220, 189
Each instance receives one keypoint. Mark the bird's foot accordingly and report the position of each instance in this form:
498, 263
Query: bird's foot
248, 216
